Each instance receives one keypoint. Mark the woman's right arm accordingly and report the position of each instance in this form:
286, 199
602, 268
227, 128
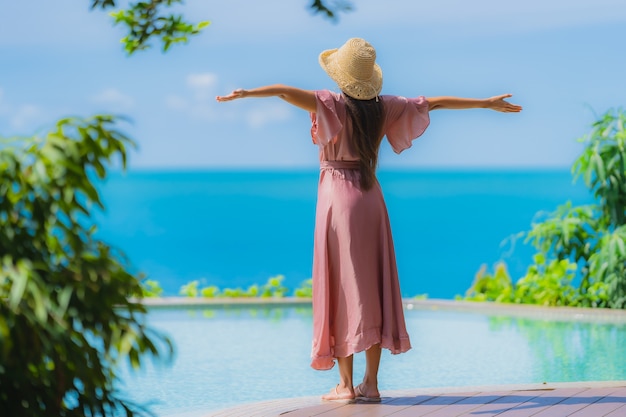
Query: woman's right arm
304, 99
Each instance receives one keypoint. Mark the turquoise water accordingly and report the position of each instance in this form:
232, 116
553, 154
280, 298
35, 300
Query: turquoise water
234, 355
237, 228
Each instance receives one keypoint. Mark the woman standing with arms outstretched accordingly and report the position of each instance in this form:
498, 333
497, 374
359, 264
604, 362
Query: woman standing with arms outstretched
357, 304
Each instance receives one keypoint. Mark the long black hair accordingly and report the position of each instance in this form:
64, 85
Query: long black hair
367, 118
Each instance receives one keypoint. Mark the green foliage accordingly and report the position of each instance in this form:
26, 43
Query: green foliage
144, 20
547, 283
273, 288
190, 289
567, 232
68, 309
305, 290
607, 265
491, 287
151, 288
251, 292
210, 292
603, 166
590, 238
330, 8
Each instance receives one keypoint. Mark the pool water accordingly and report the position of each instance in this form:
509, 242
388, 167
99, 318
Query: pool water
227, 356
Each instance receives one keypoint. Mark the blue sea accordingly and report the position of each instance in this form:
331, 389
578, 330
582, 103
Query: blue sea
237, 228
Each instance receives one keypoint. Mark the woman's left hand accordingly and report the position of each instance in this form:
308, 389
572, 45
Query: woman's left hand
498, 103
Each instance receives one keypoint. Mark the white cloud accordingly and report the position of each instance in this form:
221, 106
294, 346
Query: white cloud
263, 115
203, 85
200, 104
20, 117
204, 80
114, 98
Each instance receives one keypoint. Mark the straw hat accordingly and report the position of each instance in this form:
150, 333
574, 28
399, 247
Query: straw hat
354, 69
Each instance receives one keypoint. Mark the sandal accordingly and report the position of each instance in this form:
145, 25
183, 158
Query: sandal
334, 396
360, 396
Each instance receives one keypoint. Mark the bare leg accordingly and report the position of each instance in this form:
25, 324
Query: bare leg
344, 390
369, 387
345, 374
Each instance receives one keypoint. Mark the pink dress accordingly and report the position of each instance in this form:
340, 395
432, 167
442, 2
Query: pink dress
356, 294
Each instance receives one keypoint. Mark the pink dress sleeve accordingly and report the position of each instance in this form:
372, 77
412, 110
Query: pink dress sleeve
325, 122
407, 119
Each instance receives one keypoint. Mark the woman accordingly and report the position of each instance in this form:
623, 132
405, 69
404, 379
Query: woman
357, 304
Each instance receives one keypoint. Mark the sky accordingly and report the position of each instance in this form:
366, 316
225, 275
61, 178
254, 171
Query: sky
563, 60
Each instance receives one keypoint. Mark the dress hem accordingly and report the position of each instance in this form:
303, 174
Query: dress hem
395, 345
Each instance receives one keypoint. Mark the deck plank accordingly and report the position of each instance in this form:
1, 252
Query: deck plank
466, 405
504, 403
315, 410
614, 399
447, 404
575, 403
433, 405
618, 412
594, 399
544, 400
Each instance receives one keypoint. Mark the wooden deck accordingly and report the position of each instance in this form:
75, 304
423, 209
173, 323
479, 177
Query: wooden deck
583, 399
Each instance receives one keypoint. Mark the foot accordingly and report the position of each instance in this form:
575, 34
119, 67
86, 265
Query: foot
335, 395
363, 393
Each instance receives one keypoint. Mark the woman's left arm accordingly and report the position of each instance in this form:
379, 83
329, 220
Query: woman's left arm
304, 99
497, 103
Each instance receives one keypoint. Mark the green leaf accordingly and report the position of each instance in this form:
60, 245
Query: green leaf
18, 286
599, 166
63, 300
202, 24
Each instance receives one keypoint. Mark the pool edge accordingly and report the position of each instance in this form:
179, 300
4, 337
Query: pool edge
484, 307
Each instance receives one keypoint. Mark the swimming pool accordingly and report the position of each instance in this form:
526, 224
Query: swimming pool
229, 355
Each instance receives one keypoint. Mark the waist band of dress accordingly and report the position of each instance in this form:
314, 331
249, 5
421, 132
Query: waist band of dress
339, 164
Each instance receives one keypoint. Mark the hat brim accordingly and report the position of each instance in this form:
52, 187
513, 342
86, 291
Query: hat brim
359, 89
